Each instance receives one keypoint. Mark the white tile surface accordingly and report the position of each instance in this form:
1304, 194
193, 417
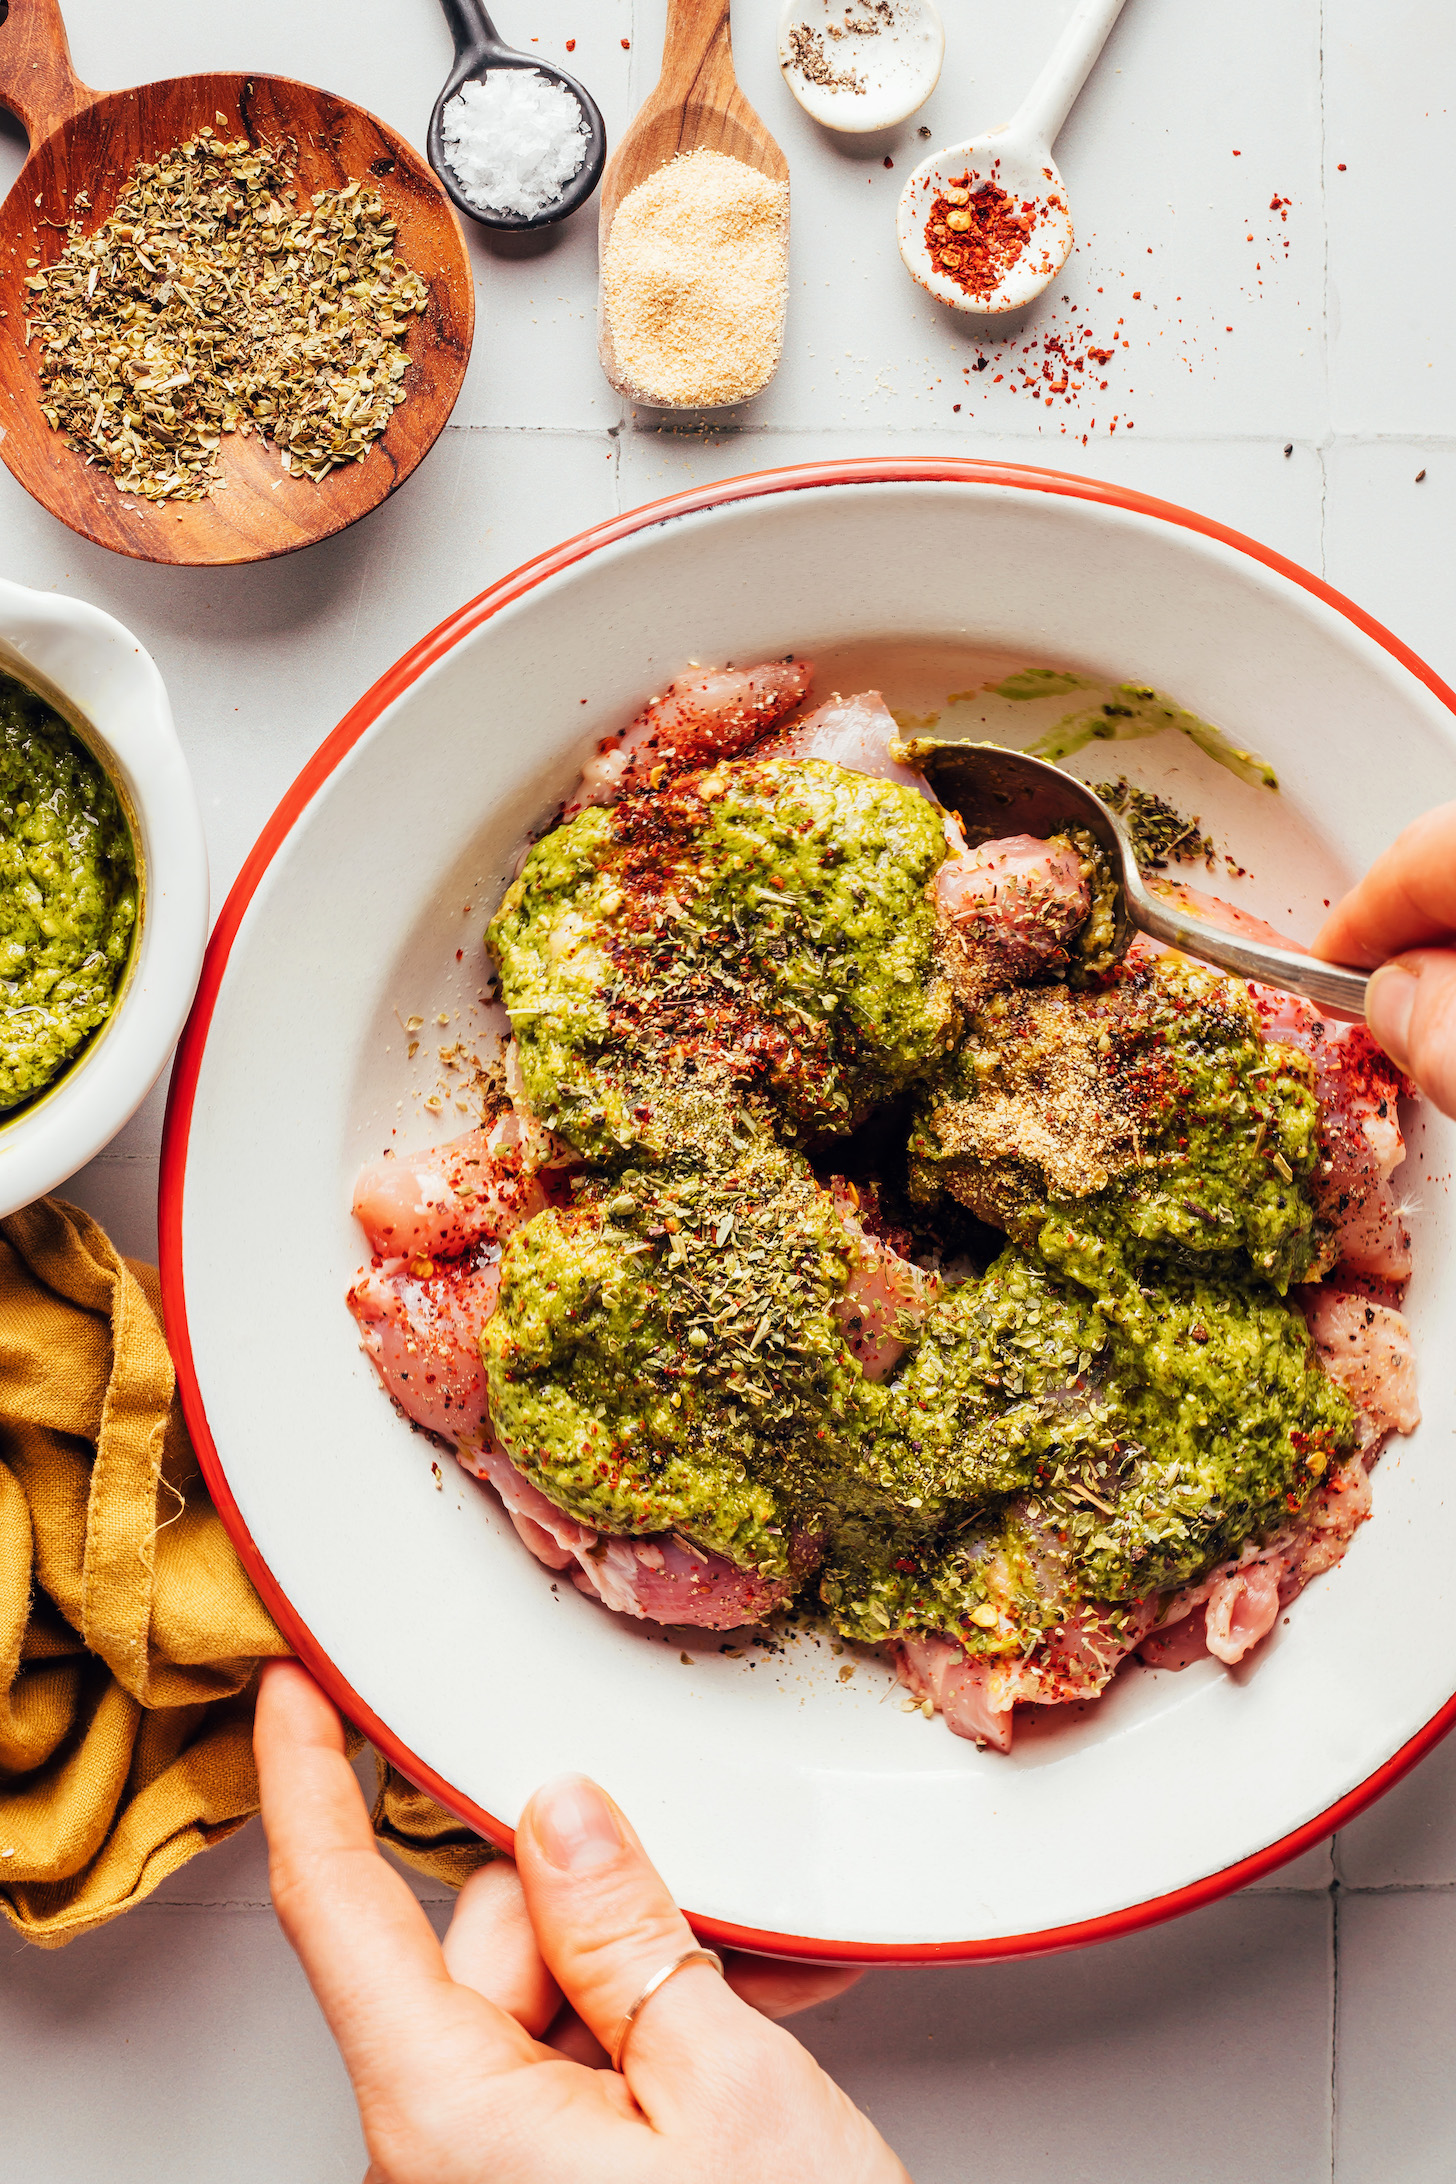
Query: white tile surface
1409, 1838
181, 2046
1314, 1870
1201, 2050
1391, 543
262, 661
1390, 323
181, 2043
1395, 2076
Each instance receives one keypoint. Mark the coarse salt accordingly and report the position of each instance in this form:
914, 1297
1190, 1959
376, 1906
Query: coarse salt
514, 140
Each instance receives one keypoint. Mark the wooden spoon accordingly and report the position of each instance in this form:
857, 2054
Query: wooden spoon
697, 106
91, 140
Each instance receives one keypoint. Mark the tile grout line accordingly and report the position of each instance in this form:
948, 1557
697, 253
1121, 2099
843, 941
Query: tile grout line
718, 436
253, 1903
1335, 1893
1324, 300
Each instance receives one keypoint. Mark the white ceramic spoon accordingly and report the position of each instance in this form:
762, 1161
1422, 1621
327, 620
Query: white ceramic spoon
870, 74
1017, 158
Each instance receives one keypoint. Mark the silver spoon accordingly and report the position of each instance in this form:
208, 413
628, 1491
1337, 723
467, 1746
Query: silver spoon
998, 792
479, 48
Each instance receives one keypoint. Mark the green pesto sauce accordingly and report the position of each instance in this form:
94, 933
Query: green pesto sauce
767, 920
68, 895
1143, 1438
1118, 1403
963, 1423
1093, 947
1129, 713
665, 1355
1213, 1131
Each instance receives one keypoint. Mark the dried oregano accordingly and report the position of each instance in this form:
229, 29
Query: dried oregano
210, 302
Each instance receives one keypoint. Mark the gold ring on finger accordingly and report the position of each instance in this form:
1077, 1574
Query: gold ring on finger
658, 1979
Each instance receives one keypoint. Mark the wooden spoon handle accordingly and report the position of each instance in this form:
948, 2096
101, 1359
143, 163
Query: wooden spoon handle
37, 82
697, 52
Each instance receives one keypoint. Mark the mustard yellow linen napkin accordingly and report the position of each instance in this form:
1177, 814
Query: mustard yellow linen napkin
130, 1636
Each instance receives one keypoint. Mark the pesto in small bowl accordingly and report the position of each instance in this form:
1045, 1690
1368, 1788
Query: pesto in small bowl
68, 895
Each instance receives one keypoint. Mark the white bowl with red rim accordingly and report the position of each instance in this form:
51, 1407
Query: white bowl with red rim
791, 1812
110, 692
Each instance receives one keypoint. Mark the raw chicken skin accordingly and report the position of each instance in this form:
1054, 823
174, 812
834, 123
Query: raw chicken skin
422, 1332
1241, 1610
436, 1220
699, 719
1358, 1089
659, 1577
1241, 1600
420, 1318
1013, 905
887, 1295
1367, 1347
937, 1672
855, 733
440, 1203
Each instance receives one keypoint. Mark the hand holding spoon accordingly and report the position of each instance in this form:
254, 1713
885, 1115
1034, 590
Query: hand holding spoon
999, 792
1016, 158
479, 49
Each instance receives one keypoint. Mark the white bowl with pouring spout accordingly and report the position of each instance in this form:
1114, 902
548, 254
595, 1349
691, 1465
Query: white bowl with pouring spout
106, 686
791, 1812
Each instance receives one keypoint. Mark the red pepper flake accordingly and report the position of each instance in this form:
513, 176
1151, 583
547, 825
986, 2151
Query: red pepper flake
888, 161
626, 45
1341, 168
974, 237
1238, 155
571, 45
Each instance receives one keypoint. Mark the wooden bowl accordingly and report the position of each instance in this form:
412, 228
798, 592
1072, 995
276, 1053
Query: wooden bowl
82, 139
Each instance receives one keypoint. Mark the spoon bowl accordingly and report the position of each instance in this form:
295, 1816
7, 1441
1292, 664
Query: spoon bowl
1016, 158
1001, 160
479, 51
996, 792
696, 106
84, 141
851, 71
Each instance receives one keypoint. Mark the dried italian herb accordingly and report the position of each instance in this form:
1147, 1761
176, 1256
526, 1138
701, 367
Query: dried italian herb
212, 301
1160, 834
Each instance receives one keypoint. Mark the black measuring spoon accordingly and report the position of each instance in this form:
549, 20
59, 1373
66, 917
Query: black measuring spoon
479, 48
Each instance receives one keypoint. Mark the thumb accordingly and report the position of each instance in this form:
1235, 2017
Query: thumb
1410, 1007
605, 1925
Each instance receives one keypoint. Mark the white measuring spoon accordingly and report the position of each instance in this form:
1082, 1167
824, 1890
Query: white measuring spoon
1017, 158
